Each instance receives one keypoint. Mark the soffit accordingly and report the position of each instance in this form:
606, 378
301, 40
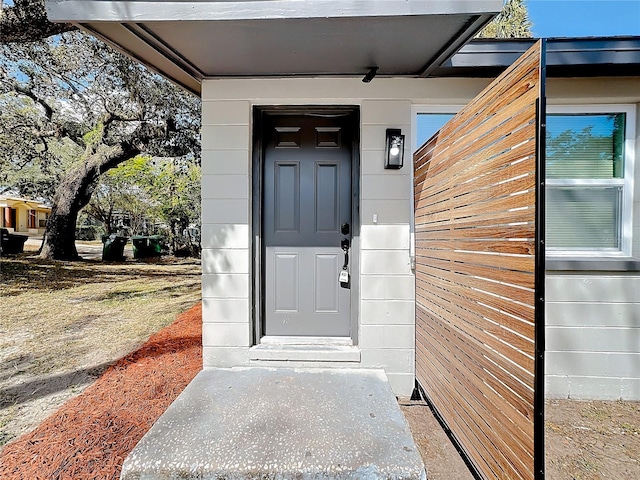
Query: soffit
565, 57
190, 41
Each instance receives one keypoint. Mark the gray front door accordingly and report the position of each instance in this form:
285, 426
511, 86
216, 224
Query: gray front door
306, 216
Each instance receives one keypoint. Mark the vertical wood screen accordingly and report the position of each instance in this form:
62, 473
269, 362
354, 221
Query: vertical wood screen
477, 275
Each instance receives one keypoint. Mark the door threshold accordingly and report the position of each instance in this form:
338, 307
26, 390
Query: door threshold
304, 353
314, 341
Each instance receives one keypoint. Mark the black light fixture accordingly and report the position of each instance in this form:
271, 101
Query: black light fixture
394, 149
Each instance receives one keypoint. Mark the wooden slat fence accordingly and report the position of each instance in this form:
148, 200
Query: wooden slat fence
478, 281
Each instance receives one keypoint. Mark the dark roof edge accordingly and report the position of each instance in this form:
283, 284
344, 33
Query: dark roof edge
566, 57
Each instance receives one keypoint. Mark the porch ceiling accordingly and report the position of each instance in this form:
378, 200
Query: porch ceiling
191, 40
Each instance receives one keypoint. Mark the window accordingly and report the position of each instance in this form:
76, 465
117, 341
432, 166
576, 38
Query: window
428, 120
32, 219
589, 178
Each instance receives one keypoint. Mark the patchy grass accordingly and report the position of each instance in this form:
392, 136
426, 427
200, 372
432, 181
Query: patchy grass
599, 412
63, 323
592, 440
630, 429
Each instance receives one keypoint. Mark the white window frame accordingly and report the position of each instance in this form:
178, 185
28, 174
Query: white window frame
626, 217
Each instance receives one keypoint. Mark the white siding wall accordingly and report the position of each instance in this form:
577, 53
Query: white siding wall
387, 315
593, 317
226, 160
386, 333
593, 336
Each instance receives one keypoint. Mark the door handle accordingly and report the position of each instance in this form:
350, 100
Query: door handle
344, 277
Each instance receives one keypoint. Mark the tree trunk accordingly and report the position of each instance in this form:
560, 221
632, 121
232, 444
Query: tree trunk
60, 235
72, 194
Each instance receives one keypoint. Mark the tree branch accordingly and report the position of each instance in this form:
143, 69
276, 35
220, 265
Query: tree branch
27, 21
28, 92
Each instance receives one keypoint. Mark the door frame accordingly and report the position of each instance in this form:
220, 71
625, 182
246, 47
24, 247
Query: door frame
256, 214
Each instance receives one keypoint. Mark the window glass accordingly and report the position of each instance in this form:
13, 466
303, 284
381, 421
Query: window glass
585, 146
584, 218
430, 123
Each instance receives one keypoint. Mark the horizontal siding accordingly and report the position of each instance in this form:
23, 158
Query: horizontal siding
226, 113
385, 262
219, 260
383, 287
225, 310
593, 387
385, 187
597, 364
388, 212
593, 339
225, 162
590, 314
587, 287
593, 336
388, 312
225, 186
384, 237
225, 235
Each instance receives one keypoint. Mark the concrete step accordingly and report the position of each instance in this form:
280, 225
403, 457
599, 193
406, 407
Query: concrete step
280, 423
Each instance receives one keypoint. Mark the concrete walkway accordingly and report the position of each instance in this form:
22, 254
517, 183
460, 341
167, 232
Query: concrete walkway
263, 423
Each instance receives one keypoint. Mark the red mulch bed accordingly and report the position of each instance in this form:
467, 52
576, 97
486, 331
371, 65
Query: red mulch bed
90, 436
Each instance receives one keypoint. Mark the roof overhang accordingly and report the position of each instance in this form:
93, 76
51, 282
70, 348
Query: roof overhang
565, 57
188, 41
22, 202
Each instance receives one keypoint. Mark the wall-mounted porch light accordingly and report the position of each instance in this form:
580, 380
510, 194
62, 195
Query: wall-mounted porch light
394, 149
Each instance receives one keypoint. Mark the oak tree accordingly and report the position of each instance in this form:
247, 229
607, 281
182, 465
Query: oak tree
511, 22
26, 21
73, 97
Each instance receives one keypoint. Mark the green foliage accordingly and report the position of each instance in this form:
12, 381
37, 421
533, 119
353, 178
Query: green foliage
511, 22
68, 96
72, 109
155, 195
94, 136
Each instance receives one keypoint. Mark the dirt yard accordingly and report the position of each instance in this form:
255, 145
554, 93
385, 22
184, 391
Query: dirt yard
63, 324
584, 441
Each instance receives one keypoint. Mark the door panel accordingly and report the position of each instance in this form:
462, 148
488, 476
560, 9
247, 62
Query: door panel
285, 281
326, 297
306, 198
287, 197
327, 197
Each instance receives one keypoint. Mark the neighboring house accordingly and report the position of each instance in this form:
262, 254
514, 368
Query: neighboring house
23, 215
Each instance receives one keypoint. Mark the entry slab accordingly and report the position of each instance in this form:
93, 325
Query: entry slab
280, 423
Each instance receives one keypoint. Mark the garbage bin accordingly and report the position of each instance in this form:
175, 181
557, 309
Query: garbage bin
11, 242
145, 247
113, 248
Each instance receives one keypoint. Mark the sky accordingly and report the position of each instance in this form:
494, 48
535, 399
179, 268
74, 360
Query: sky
563, 18
584, 18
